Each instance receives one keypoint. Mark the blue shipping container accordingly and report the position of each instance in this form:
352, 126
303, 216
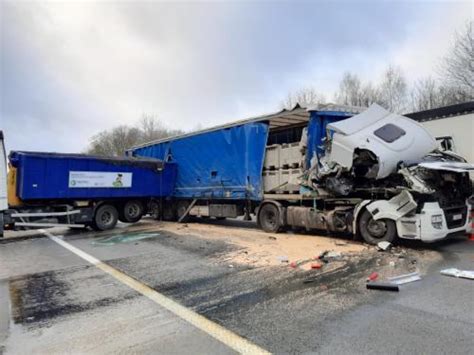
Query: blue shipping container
74, 176
225, 163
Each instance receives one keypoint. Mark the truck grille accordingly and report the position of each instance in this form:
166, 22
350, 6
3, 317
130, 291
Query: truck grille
452, 216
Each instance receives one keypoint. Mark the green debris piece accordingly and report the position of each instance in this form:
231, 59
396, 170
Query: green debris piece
124, 238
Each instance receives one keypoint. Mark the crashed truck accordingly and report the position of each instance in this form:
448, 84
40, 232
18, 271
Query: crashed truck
339, 169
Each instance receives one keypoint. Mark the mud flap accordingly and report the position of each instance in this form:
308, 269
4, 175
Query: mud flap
393, 209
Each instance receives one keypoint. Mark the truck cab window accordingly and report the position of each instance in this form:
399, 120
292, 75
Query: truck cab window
389, 132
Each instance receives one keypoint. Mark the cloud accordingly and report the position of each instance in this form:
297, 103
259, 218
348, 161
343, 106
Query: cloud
69, 70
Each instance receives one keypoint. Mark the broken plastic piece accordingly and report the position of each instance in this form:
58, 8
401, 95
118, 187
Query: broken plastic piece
293, 264
383, 286
333, 255
373, 276
465, 274
406, 278
316, 266
384, 246
283, 259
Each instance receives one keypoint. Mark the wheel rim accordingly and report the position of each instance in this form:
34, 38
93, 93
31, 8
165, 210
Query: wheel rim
106, 218
377, 229
133, 210
270, 218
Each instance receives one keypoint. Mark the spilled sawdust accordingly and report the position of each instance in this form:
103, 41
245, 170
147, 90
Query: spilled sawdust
258, 248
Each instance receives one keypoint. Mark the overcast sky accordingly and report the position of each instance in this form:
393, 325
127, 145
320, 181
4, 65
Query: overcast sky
69, 70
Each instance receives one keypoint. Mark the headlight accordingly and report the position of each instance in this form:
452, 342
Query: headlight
437, 221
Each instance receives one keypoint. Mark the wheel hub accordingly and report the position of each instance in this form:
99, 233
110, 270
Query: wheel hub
377, 228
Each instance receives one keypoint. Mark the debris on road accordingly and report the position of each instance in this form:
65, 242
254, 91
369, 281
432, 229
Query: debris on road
340, 243
293, 264
465, 274
373, 276
384, 246
322, 256
124, 238
333, 255
283, 259
316, 266
406, 278
383, 286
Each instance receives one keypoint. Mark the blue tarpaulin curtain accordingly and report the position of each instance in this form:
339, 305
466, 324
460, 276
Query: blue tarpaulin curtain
225, 163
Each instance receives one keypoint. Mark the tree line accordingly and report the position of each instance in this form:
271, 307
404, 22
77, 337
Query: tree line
453, 84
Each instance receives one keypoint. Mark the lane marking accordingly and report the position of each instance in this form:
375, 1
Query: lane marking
225, 336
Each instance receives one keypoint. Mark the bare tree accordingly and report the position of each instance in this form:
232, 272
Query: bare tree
116, 141
353, 92
304, 97
368, 95
458, 66
393, 90
349, 90
425, 95
152, 128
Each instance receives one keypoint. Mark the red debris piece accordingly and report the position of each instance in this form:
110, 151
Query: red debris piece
316, 266
293, 264
373, 276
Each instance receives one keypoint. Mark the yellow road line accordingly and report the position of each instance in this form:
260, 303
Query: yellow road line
218, 332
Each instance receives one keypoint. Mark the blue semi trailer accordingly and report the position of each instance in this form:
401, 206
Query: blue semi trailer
76, 190
345, 169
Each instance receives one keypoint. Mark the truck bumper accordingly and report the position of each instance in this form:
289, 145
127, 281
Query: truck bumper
433, 223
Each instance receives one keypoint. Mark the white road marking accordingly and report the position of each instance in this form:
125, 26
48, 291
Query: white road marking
215, 330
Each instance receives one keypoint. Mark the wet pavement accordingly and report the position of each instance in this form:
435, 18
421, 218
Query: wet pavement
53, 301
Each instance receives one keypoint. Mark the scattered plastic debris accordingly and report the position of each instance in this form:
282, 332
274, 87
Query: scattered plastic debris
383, 286
283, 259
333, 255
406, 278
465, 274
384, 246
392, 263
316, 266
340, 243
322, 256
293, 264
124, 238
373, 276
231, 266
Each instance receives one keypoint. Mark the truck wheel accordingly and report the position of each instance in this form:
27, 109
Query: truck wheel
269, 218
373, 232
154, 210
169, 212
105, 218
131, 212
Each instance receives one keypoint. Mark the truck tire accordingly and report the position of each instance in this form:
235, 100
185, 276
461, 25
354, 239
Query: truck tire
131, 212
105, 218
373, 232
154, 209
269, 218
169, 212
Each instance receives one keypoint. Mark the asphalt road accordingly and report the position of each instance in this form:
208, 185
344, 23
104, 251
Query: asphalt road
53, 301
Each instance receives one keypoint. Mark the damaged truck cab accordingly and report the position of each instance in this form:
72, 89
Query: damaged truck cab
416, 191
340, 169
